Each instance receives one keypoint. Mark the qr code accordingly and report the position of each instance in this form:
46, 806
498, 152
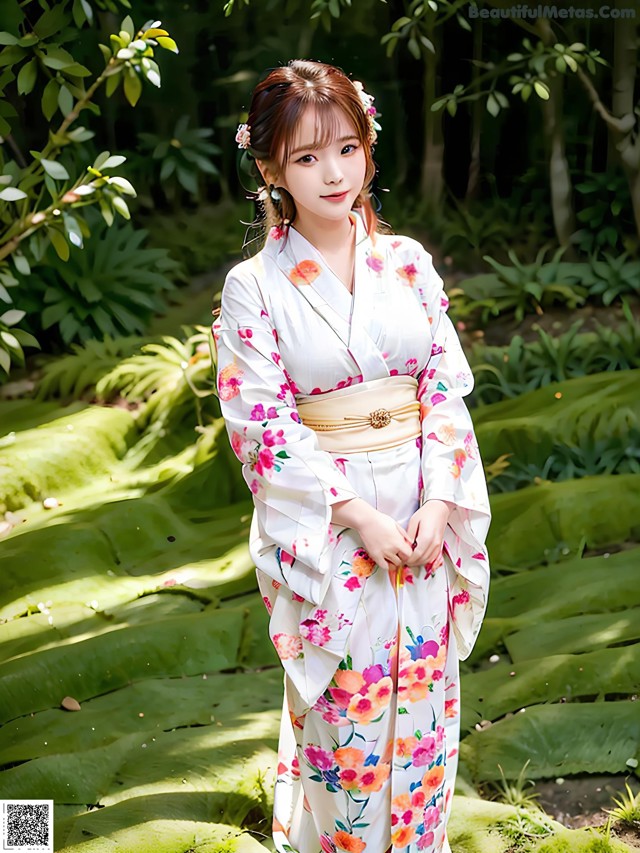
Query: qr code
26, 826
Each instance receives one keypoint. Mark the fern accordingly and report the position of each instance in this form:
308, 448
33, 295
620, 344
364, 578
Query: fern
71, 375
170, 376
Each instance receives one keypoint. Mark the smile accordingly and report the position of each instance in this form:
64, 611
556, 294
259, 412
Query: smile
336, 196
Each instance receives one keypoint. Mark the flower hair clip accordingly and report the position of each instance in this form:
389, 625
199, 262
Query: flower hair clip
243, 136
367, 105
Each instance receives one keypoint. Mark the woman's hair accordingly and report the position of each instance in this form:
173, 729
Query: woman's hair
277, 105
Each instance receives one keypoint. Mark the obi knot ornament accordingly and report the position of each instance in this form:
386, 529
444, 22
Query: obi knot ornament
380, 418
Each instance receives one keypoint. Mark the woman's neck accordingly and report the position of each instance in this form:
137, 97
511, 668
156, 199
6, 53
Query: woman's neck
328, 237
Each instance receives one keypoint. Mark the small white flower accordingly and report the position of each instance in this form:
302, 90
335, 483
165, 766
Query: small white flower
243, 136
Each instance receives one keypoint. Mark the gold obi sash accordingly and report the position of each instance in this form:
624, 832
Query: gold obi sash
373, 415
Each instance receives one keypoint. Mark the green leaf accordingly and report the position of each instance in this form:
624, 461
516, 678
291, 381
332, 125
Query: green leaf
57, 58
101, 159
120, 205
80, 134
493, 107
49, 101
11, 317
542, 90
400, 22
127, 26
123, 184
111, 162
414, 49
428, 44
10, 340
21, 263
168, 44
59, 244
11, 55
153, 77
112, 83
5, 360
26, 339
69, 327
55, 170
65, 101
132, 87
82, 12
7, 38
152, 32
77, 70
105, 210
27, 77
51, 22
597, 737
12, 194
73, 230
53, 314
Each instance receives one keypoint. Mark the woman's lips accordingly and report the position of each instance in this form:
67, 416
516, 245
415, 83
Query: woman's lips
335, 196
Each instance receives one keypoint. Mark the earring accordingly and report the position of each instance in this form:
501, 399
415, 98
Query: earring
274, 193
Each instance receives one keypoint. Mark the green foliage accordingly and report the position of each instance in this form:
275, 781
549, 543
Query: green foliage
181, 158
506, 372
528, 73
412, 29
33, 473
112, 286
525, 827
515, 793
12, 340
617, 454
609, 278
565, 738
78, 372
481, 227
603, 199
201, 240
172, 377
627, 808
524, 288
541, 523
41, 200
588, 408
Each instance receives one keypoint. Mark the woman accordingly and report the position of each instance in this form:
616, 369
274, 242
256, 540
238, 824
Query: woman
341, 382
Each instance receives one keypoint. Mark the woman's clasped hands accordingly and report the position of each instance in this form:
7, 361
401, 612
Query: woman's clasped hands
386, 541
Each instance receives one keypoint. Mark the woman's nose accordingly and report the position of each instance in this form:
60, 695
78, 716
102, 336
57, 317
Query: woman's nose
333, 172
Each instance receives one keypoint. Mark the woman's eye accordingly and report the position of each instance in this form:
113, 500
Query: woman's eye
304, 158
349, 146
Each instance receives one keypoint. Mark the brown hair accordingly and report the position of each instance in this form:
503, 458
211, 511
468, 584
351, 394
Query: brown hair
276, 107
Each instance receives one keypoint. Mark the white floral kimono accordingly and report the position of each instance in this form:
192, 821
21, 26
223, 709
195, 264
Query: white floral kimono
370, 727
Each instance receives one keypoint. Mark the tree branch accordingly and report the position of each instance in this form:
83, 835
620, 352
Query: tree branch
614, 123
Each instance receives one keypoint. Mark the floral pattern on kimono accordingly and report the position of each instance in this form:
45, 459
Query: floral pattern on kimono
369, 734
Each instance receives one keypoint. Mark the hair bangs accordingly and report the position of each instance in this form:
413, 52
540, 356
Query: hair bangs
326, 127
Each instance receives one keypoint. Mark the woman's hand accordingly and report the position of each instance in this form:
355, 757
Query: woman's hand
426, 531
385, 541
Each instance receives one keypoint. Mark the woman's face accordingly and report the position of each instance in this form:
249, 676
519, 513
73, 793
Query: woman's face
313, 174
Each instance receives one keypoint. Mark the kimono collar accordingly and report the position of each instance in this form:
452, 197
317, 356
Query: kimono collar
280, 238
352, 316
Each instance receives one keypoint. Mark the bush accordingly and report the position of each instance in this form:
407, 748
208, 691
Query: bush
113, 286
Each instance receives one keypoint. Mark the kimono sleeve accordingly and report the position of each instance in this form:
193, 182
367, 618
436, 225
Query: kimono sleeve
293, 482
451, 466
